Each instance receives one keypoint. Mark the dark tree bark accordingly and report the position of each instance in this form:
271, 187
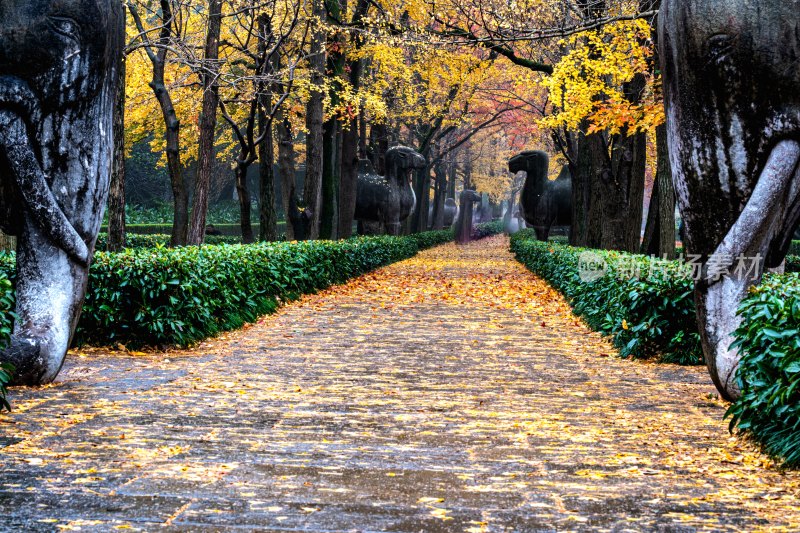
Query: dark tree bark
348, 179
312, 191
378, 146
286, 170
329, 218
116, 190
157, 53
268, 223
353, 137
208, 124
439, 195
422, 188
659, 235
245, 201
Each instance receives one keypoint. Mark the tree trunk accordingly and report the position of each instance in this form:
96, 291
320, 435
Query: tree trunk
379, 145
116, 190
245, 201
624, 195
312, 192
348, 180
286, 169
659, 235
268, 224
362, 134
422, 182
329, 218
439, 194
208, 124
172, 126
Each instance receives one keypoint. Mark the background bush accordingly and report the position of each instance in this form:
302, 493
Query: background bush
487, 229
135, 240
769, 371
649, 315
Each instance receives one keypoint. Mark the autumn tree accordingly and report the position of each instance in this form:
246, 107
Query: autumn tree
159, 34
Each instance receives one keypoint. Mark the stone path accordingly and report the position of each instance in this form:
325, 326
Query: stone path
450, 392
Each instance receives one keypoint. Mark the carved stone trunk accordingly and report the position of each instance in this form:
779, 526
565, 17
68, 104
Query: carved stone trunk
58, 84
732, 88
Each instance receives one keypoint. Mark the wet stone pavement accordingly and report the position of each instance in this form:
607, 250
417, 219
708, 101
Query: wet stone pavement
450, 392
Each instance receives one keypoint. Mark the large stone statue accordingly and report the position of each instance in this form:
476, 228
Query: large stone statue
58, 77
450, 212
468, 198
543, 203
388, 200
732, 90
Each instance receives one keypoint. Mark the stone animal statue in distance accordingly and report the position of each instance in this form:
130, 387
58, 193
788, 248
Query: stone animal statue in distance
387, 200
468, 198
543, 202
732, 95
58, 83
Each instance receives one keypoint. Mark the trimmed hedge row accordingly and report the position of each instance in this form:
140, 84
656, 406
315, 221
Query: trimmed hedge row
769, 371
6, 326
646, 316
153, 240
230, 230
487, 229
655, 316
178, 296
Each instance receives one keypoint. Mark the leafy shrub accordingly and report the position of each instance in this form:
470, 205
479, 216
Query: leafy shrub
648, 314
794, 248
487, 229
793, 263
429, 239
178, 296
230, 230
135, 240
6, 326
769, 371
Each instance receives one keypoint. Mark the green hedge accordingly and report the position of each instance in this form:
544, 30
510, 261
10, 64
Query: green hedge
178, 296
648, 316
229, 230
769, 371
487, 229
136, 240
6, 326
655, 316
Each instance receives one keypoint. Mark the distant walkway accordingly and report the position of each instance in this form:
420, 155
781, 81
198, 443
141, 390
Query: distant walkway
451, 392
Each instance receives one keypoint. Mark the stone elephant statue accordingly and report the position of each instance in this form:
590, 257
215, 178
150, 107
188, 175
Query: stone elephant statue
59, 62
450, 212
388, 200
543, 203
732, 95
468, 198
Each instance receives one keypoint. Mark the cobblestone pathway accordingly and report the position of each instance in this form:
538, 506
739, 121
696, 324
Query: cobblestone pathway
450, 392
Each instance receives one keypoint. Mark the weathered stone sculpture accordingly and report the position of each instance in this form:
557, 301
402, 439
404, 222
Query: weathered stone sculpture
58, 77
388, 200
450, 212
543, 203
732, 87
465, 215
